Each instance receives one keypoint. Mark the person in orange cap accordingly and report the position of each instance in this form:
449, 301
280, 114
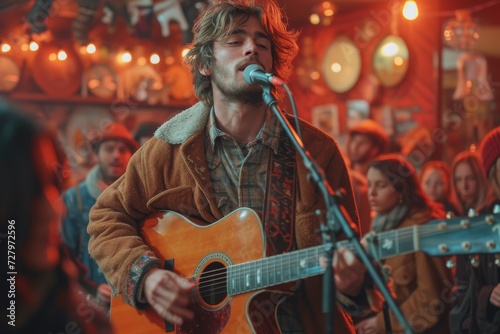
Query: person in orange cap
113, 147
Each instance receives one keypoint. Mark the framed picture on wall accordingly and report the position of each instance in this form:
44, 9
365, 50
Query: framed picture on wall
326, 118
357, 111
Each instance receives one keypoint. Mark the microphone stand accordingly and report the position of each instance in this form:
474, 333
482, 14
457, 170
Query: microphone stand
335, 213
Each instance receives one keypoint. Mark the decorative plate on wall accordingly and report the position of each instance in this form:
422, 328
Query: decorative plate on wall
9, 74
342, 65
102, 81
57, 77
391, 60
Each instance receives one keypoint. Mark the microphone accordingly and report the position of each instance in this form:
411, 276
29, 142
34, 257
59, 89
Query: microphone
254, 74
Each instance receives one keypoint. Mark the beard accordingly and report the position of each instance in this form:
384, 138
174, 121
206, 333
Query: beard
245, 93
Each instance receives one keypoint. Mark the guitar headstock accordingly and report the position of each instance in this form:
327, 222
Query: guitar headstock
462, 235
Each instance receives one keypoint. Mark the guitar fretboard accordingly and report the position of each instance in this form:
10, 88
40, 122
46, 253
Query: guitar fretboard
274, 270
289, 267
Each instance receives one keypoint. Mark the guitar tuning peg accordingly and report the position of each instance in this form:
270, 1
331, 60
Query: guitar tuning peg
497, 260
471, 212
496, 209
449, 214
450, 263
474, 261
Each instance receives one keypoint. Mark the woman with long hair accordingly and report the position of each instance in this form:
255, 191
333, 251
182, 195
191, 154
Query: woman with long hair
435, 180
470, 187
418, 280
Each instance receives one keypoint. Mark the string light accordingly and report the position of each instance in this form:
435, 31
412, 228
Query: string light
410, 10
6, 47
126, 57
33, 46
154, 59
91, 49
62, 55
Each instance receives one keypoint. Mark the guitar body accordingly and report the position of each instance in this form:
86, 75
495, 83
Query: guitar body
198, 251
227, 260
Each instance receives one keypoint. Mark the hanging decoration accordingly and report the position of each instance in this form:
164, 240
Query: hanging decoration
461, 32
191, 9
169, 10
82, 23
472, 78
112, 9
36, 18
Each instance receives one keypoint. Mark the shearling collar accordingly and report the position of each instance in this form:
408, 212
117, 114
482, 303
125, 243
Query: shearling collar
183, 125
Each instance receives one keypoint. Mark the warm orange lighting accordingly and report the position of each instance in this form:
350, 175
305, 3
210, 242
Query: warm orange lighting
52, 56
62, 55
398, 61
328, 12
154, 59
410, 10
91, 49
25, 47
169, 60
315, 75
141, 61
314, 19
6, 47
33, 46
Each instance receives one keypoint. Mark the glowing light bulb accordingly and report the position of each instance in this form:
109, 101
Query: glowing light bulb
154, 59
91, 49
410, 10
62, 55
126, 57
6, 47
314, 19
33, 46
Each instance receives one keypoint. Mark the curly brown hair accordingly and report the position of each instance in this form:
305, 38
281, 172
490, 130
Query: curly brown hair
219, 19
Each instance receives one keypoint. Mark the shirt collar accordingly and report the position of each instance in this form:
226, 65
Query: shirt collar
269, 134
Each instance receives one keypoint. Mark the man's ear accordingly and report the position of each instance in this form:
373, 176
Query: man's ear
204, 70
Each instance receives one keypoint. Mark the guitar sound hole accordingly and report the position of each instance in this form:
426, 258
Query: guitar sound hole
213, 283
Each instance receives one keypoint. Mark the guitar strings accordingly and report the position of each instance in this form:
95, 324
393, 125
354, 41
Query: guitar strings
216, 281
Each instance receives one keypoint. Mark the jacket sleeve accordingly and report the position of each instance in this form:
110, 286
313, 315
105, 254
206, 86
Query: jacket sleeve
114, 239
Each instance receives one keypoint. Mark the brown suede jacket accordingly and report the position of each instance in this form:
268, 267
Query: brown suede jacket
169, 172
423, 286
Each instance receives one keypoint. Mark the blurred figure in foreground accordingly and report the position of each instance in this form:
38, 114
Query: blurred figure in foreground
47, 296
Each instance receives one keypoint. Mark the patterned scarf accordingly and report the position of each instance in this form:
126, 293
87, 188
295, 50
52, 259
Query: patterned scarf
388, 221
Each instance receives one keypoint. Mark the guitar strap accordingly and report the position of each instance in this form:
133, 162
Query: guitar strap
279, 209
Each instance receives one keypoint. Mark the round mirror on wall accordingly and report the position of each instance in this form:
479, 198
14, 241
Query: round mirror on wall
390, 60
342, 65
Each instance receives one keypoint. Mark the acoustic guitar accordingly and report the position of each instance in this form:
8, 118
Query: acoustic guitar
239, 288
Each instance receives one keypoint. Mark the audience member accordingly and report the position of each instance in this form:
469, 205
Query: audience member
113, 147
435, 180
366, 141
46, 297
470, 188
145, 131
477, 287
418, 279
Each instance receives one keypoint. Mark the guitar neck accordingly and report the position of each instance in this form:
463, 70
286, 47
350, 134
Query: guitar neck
289, 267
